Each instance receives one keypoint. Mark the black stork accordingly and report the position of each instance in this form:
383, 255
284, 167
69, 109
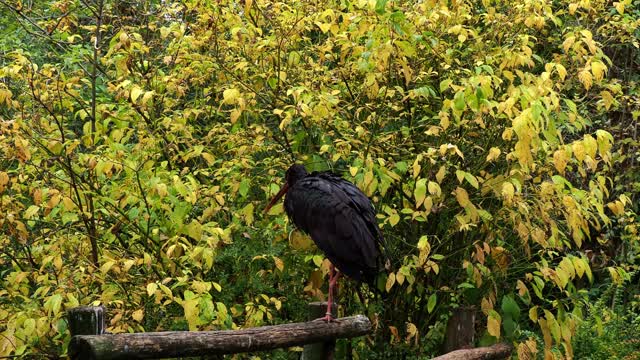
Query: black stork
341, 221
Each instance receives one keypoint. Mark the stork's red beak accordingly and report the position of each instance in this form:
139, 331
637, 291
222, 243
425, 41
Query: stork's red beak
279, 195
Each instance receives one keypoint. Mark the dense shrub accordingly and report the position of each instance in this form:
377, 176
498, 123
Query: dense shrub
140, 141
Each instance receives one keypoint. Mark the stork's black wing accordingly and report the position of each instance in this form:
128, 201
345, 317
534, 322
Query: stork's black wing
360, 202
340, 220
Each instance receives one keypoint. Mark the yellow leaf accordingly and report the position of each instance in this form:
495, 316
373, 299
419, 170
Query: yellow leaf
533, 314
462, 196
208, 158
353, 170
201, 287
560, 159
598, 69
57, 262
619, 7
434, 188
494, 152
416, 166
279, 263
486, 306
578, 150
234, 115
391, 279
567, 265
590, 145
508, 191
440, 174
412, 331
522, 288
107, 266
368, 178
31, 211
568, 43
428, 204
300, 241
561, 278
135, 93
572, 8
138, 315
230, 96
493, 323
247, 211
148, 95
617, 207
194, 230
562, 71
324, 27
553, 325
68, 203
607, 99
420, 192
585, 78
444, 120
580, 265
423, 245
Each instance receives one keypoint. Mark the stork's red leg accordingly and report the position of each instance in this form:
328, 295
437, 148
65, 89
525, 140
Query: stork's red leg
333, 279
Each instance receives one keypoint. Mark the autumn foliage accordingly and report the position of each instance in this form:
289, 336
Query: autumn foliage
140, 141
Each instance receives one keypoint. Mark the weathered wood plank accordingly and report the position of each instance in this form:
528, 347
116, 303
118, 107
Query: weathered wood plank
460, 329
495, 352
198, 343
86, 320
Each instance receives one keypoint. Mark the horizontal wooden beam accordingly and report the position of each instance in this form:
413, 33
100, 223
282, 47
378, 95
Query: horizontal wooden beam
158, 345
495, 352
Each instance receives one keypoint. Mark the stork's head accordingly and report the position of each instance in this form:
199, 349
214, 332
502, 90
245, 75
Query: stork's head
294, 173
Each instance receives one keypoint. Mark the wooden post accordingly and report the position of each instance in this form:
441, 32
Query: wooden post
461, 329
325, 350
86, 320
172, 344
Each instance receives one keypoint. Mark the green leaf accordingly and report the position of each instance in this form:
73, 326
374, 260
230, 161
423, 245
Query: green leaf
425, 92
510, 307
380, 6
444, 84
459, 101
431, 303
247, 211
420, 191
244, 187
31, 211
402, 166
554, 327
471, 179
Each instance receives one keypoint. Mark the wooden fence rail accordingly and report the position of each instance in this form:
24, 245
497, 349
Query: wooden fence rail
158, 345
90, 341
